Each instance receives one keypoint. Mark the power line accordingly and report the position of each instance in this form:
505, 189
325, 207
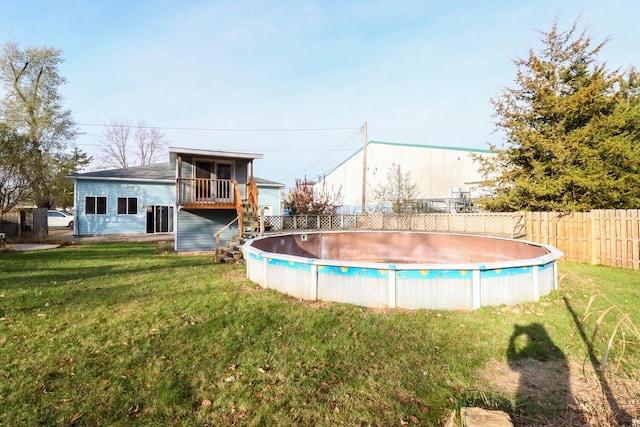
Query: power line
335, 149
270, 150
223, 129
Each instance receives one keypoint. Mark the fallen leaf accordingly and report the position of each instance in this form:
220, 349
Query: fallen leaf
229, 379
206, 402
414, 420
259, 395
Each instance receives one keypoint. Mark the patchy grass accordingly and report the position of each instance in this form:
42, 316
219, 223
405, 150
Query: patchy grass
116, 334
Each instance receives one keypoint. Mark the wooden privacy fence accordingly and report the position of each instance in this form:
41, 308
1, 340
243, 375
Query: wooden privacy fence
24, 224
606, 237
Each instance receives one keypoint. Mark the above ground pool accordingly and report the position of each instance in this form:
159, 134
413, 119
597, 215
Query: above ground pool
395, 269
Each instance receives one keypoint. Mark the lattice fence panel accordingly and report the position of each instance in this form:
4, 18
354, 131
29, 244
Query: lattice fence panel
288, 222
501, 224
325, 222
274, 221
375, 222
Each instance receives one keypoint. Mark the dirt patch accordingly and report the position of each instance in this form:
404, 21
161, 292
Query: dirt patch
561, 393
235, 274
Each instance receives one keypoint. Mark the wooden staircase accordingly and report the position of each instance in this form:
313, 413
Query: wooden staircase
250, 220
231, 253
248, 223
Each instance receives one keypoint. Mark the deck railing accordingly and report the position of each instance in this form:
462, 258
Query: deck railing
202, 192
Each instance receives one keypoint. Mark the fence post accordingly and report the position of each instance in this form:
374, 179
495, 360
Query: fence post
40, 226
635, 239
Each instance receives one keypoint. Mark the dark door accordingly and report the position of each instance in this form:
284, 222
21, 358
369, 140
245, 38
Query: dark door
224, 189
159, 219
204, 173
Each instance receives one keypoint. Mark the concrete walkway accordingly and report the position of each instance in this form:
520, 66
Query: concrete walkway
66, 236
119, 238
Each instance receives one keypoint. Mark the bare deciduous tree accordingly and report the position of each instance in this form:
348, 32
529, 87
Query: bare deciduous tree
15, 187
399, 191
125, 145
151, 144
309, 199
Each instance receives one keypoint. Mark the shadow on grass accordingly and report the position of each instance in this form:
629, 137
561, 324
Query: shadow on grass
544, 388
622, 416
88, 276
29, 270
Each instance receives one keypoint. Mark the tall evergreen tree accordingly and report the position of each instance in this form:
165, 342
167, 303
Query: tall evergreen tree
571, 129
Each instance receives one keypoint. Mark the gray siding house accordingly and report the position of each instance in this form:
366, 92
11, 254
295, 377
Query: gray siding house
194, 195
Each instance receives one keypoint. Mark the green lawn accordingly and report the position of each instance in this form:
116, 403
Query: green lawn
119, 334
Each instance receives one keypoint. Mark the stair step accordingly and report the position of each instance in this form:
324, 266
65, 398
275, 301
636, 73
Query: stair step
230, 255
226, 259
233, 245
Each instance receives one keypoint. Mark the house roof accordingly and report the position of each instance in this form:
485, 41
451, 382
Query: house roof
213, 153
267, 183
155, 172
158, 172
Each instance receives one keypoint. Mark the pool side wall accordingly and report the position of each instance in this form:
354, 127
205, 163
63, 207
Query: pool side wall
408, 286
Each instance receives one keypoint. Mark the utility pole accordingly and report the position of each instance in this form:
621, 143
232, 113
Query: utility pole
364, 170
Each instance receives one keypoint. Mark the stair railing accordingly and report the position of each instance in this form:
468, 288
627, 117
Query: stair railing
217, 235
238, 203
252, 197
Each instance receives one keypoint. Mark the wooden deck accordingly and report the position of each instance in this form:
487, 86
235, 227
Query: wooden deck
200, 193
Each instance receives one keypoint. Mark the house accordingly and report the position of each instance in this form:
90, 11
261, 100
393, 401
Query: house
439, 172
195, 195
270, 197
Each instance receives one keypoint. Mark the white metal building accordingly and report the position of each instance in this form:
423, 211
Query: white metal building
439, 172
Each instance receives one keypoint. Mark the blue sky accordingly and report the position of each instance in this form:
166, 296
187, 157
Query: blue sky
420, 72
